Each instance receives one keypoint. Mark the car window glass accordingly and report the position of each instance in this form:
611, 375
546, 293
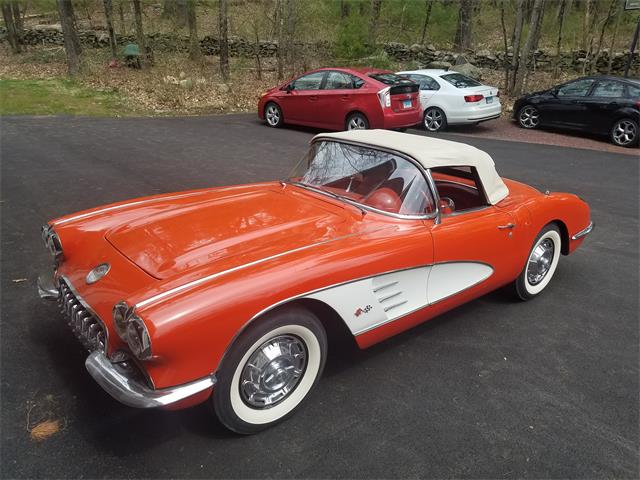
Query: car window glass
380, 180
309, 82
460, 81
338, 81
390, 79
634, 92
425, 82
459, 189
579, 88
608, 88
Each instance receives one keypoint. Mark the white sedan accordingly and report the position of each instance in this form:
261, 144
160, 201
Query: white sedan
451, 98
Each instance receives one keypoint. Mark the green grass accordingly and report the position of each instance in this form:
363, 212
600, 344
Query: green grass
57, 97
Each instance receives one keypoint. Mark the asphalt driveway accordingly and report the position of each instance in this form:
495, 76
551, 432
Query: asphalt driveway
494, 389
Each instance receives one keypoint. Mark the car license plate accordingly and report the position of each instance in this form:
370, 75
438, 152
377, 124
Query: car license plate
489, 99
406, 104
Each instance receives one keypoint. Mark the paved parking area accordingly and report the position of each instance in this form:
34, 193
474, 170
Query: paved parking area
494, 389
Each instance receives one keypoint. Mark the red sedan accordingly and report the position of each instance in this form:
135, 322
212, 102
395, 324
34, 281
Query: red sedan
343, 99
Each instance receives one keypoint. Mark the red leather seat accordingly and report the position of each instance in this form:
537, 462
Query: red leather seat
385, 199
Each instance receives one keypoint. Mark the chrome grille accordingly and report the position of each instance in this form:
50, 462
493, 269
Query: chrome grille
86, 326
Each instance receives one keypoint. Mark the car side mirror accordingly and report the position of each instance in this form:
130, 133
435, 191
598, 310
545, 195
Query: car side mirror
289, 87
554, 92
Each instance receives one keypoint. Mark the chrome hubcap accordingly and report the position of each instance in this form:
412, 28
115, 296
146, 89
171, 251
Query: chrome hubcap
540, 261
433, 120
624, 132
273, 115
356, 123
273, 371
529, 117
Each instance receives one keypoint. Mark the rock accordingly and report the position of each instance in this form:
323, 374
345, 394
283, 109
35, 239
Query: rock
431, 47
223, 88
469, 70
460, 60
483, 53
186, 83
439, 64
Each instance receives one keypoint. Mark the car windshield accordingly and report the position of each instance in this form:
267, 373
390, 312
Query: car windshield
373, 178
460, 81
390, 79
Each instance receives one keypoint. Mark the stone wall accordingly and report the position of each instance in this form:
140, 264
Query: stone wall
423, 56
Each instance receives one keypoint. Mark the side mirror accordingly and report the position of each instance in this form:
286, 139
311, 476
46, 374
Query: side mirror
554, 92
289, 87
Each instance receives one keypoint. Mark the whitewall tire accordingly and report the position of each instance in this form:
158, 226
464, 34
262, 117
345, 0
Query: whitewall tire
541, 263
270, 370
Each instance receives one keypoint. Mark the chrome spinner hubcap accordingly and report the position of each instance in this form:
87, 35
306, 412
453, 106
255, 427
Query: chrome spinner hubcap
540, 261
273, 371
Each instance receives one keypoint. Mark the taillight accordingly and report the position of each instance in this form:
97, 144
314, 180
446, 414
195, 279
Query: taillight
473, 98
385, 97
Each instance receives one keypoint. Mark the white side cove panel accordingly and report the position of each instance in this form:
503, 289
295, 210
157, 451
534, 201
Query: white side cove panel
368, 303
447, 279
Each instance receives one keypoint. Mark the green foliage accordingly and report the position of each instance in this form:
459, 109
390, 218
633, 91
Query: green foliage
55, 97
351, 39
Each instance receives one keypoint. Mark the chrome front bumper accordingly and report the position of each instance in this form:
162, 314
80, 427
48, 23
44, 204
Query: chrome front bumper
124, 387
584, 232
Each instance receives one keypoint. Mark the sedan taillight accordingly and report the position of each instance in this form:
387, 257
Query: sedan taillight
473, 98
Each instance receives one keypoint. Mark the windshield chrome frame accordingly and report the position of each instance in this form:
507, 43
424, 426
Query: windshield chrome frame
425, 173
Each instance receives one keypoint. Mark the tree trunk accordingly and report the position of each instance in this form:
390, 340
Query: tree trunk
279, 26
585, 24
194, 44
615, 34
427, 17
528, 47
345, 9
142, 41
17, 19
464, 34
181, 12
123, 25
506, 48
223, 39
517, 40
605, 24
12, 36
376, 6
71, 42
556, 62
108, 14
290, 31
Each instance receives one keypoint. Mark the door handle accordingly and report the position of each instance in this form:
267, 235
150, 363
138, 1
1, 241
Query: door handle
506, 227
313, 98
345, 97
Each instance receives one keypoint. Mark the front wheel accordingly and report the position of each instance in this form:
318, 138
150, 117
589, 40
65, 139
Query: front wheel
529, 117
434, 119
624, 133
273, 115
270, 370
541, 264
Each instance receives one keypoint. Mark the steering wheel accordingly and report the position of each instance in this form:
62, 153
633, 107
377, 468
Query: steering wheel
446, 205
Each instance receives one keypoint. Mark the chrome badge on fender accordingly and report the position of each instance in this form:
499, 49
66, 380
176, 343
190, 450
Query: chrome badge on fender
97, 273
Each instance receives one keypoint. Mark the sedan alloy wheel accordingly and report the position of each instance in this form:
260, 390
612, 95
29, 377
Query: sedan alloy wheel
273, 115
529, 117
625, 132
434, 119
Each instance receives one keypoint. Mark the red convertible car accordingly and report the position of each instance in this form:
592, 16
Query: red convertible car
343, 99
224, 294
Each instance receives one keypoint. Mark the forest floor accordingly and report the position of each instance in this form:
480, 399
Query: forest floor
36, 83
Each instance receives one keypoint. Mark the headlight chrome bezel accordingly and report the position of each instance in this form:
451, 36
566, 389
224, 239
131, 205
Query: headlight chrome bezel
52, 242
132, 329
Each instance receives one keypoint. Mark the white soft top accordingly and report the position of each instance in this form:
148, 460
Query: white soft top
431, 152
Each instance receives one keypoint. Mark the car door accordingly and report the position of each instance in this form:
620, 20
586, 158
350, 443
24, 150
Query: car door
300, 103
336, 99
474, 243
428, 88
606, 97
566, 107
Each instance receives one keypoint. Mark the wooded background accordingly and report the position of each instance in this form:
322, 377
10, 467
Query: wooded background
305, 33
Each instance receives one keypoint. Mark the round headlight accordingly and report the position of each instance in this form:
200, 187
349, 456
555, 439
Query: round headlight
138, 338
120, 311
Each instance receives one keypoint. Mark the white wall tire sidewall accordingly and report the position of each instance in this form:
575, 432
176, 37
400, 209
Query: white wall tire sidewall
554, 236
268, 415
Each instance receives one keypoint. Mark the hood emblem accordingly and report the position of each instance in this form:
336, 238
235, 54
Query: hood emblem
97, 273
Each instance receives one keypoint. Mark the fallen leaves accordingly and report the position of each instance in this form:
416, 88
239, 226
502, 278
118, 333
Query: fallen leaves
41, 419
19, 280
44, 430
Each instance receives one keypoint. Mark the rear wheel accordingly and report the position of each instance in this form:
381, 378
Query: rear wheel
270, 370
625, 133
273, 115
357, 121
541, 264
528, 117
434, 119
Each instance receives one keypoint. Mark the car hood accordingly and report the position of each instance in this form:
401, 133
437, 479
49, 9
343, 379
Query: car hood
222, 231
